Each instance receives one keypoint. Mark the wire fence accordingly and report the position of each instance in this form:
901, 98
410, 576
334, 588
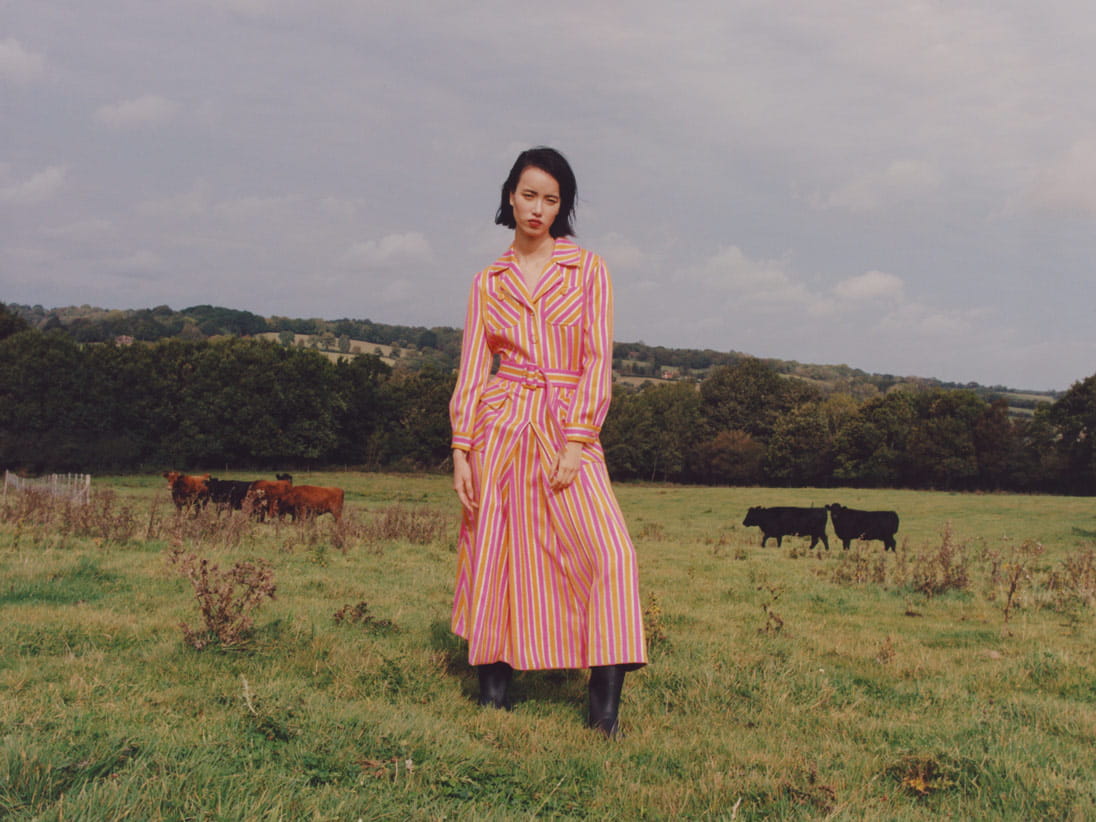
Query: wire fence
70, 486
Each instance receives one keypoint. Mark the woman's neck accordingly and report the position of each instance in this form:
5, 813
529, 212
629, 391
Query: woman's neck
533, 256
529, 247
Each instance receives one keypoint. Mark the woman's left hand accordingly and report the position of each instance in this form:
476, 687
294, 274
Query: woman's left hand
566, 465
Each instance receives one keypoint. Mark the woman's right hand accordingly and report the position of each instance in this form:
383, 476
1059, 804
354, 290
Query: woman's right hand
462, 481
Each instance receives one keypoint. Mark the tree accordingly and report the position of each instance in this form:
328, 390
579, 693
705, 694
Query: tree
995, 445
10, 322
1074, 415
940, 450
627, 435
649, 433
363, 409
870, 448
749, 396
43, 415
729, 458
800, 450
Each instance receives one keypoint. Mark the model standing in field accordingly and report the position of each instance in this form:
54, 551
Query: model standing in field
546, 573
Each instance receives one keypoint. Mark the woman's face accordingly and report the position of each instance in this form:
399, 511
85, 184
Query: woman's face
535, 202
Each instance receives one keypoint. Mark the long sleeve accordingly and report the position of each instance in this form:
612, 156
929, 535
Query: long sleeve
595, 389
475, 367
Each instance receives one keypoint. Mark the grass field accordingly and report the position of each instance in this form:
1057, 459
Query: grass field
952, 679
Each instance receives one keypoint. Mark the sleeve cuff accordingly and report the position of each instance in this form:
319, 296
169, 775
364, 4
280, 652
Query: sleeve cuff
585, 434
462, 442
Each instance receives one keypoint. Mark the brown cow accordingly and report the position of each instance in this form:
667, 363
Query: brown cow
302, 501
187, 490
265, 496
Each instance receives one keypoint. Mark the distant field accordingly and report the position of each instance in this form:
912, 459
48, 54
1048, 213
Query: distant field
356, 347
952, 679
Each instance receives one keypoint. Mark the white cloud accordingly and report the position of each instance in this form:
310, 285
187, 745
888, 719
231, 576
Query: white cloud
80, 231
17, 65
747, 280
149, 110
901, 180
39, 188
394, 250
619, 253
192, 203
1069, 183
871, 285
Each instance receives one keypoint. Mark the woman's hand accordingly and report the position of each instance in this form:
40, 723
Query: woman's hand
566, 465
462, 481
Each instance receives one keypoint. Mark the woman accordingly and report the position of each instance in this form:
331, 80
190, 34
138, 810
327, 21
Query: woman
546, 574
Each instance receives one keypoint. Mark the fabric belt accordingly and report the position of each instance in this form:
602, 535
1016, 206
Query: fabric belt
532, 376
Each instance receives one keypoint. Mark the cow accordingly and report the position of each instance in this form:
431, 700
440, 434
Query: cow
187, 490
304, 501
230, 493
780, 520
264, 497
850, 524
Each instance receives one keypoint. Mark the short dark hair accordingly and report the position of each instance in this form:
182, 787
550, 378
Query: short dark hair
551, 162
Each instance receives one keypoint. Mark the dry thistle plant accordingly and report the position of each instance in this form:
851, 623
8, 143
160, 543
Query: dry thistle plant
854, 567
226, 599
942, 570
1017, 574
1073, 584
359, 615
101, 517
416, 525
774, 623
654, 625
886, 652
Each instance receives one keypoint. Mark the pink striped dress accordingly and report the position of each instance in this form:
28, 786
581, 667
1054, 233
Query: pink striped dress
545, 579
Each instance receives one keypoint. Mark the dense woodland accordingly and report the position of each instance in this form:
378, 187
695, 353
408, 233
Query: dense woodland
194, 390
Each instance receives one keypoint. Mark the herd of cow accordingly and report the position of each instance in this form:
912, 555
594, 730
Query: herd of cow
280, 498
848, 524
263, 498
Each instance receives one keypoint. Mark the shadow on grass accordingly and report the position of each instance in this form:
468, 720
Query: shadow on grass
564, 687
1081, 532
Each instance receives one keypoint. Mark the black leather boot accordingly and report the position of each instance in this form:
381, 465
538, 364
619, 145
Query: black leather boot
494, 682
606, 682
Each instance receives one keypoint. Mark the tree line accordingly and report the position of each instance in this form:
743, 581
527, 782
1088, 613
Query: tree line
249, 404
748, 424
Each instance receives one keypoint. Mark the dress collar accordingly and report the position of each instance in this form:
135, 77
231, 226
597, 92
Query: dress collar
566, 254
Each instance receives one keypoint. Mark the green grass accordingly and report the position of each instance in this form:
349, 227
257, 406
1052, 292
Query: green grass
784, 683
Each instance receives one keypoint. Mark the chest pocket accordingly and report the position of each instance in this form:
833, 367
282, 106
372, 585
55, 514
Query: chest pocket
564, 306
503, 309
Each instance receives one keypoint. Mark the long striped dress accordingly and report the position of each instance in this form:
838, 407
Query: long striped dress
545, 579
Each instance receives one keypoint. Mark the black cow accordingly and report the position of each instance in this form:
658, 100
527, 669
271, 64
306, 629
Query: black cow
850, 524
228, 492
781, 520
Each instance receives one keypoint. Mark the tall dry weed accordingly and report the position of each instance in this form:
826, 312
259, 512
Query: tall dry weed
102, 517
226, 599
1072, 584
397, 523
936, 571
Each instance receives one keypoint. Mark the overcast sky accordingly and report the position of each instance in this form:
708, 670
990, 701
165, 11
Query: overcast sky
904, 187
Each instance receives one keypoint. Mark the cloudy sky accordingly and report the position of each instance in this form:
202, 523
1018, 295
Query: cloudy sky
904, 187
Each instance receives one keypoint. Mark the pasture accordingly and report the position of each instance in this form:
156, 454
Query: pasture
954, 678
